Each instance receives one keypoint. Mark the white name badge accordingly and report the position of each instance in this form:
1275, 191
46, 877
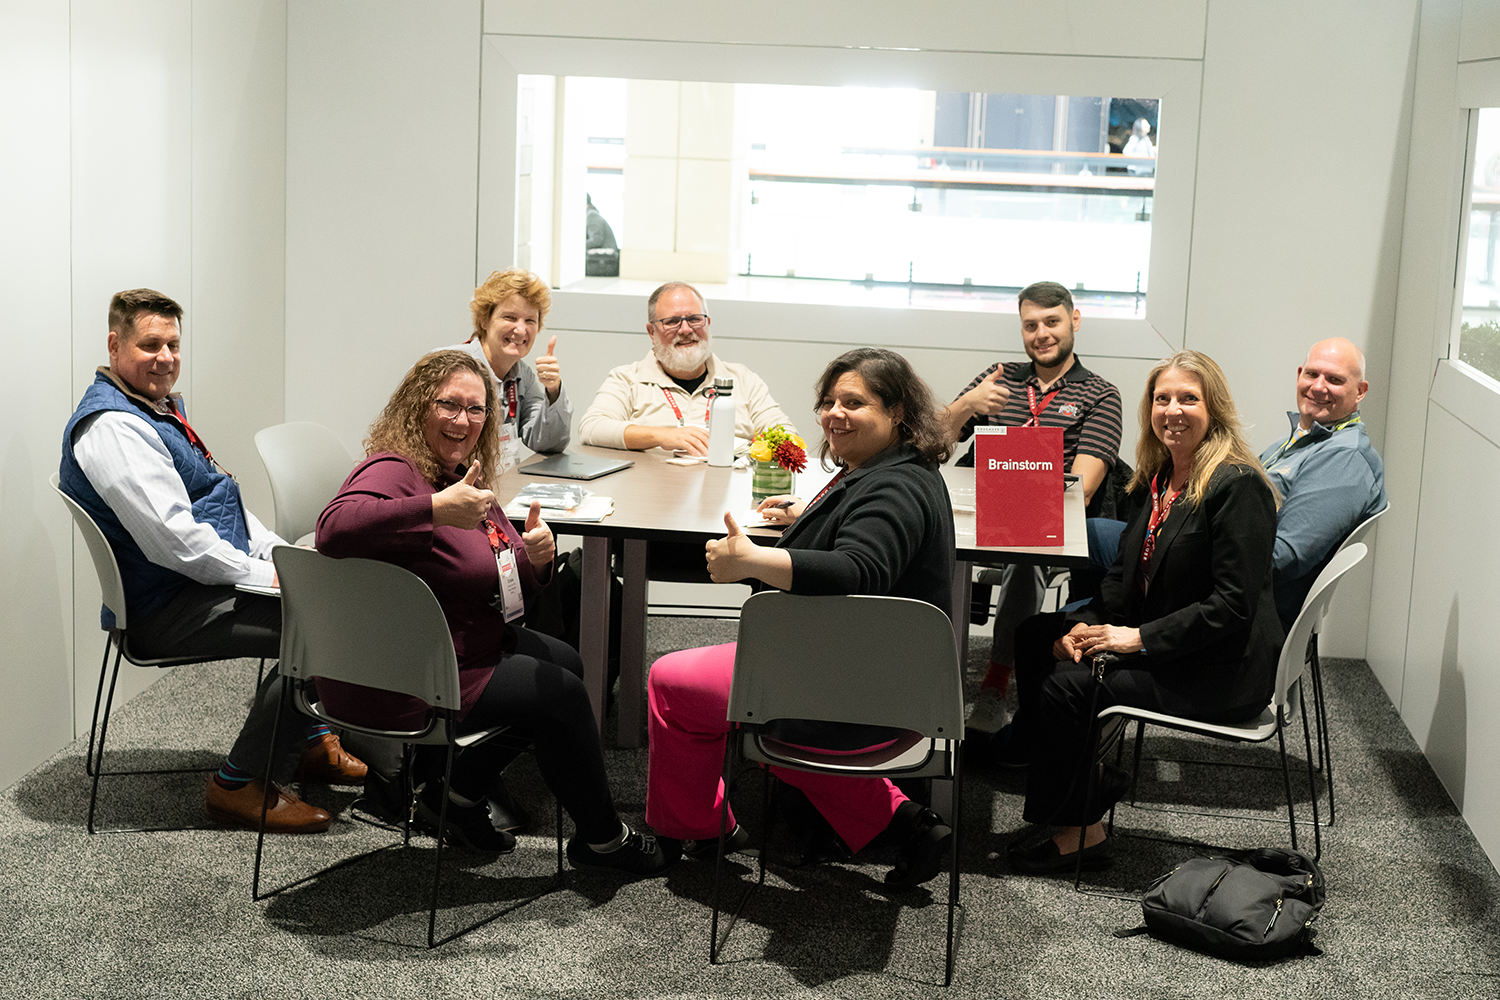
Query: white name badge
510, 448
509, 599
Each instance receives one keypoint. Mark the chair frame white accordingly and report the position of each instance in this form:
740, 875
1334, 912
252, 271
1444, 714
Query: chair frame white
848, 671
306, 464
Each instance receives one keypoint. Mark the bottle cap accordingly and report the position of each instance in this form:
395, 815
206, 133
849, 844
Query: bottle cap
723, 385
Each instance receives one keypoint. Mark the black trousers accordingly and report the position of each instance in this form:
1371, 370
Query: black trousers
1059, 700
220, 622
538, 690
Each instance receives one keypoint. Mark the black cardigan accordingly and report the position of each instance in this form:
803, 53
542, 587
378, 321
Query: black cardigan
886, 528
1209, 620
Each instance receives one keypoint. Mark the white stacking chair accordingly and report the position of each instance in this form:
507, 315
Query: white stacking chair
1278, 714
373, 623
885, 661
112, 589
306, 464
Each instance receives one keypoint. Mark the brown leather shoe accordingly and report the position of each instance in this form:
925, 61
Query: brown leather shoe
287, 814
327, 761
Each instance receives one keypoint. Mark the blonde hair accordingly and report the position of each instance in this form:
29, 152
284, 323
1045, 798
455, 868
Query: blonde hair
1224, 442
402, 426
501, 285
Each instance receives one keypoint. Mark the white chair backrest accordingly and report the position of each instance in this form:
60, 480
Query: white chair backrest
306, 465
1363, 528
1294, 651
365, 622
886, 661
105, 565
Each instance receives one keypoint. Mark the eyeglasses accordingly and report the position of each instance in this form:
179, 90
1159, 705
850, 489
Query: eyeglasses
449, 409
674, 323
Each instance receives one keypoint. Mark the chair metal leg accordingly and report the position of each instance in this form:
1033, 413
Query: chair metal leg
88, 762
1286, 773
103, 725
260, 674
260, 838
437, 861
958, 806
715, 945
1325, 739
1311, 787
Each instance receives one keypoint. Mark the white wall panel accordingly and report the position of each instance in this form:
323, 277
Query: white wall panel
238, 232
1297, 222
131, 218
382, 146
1144, 28
1452, 693
36, 534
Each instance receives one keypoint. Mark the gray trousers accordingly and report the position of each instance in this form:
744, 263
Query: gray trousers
220, 622
1022, 589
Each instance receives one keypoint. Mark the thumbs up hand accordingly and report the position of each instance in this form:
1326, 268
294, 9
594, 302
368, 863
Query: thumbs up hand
541, 547
548, 372
990, 395
464, 504
730, 558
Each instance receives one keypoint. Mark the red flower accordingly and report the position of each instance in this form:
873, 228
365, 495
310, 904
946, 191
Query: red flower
790, 457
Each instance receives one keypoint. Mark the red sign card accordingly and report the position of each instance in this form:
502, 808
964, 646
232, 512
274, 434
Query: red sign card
1018, 485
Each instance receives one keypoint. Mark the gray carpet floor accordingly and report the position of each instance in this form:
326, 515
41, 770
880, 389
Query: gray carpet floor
1411, 912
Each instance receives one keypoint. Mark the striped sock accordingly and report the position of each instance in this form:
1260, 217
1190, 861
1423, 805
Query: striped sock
231, 778
318, 732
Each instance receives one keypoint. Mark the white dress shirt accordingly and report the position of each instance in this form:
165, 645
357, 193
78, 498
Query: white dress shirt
129, 466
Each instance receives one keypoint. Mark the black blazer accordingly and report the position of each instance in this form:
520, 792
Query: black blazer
1208, 619
886, 528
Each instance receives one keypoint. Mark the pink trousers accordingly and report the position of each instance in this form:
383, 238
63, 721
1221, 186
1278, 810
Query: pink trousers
687, 700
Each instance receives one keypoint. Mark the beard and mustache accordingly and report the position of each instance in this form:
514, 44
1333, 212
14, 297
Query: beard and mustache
681, 357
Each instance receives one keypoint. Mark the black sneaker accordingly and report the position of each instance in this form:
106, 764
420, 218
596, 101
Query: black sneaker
639, 856
923, 854
469, 826
505, 812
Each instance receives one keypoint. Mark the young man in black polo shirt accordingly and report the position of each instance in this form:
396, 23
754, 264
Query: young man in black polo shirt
1053, 389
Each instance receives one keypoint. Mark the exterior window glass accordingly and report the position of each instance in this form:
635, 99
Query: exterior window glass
1479, 326
896, 197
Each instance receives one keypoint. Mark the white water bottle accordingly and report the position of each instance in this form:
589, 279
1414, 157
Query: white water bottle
721, 423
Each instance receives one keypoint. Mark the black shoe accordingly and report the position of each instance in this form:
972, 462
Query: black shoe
639, 856
505, 812
1005, 751
1044, 858
469, 826
737, 841
923, 854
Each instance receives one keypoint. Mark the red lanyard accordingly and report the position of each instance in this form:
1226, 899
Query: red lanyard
510, 398
1159, 512
824, 491
672, 402
1036, 410
192, 435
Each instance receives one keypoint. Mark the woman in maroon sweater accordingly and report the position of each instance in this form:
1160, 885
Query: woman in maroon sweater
418, 501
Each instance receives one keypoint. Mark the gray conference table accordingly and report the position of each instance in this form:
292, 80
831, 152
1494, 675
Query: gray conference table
658, 502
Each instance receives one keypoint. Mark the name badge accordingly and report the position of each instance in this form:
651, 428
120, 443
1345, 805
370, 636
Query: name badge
509, 598
510, 447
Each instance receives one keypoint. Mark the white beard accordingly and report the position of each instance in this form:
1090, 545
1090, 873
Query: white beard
684, 358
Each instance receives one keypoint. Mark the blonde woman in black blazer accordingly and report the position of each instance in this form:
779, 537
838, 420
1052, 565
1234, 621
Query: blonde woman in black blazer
1187, 608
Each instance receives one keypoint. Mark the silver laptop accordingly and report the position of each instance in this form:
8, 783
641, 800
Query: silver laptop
570, 465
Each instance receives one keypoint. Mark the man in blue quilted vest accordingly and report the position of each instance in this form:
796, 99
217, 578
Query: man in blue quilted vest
183, 540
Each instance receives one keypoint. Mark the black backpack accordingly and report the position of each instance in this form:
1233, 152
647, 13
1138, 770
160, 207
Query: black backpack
1255, 906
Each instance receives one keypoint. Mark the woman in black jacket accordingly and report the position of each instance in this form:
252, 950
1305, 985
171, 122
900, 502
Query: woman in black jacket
883, 526
1187, 608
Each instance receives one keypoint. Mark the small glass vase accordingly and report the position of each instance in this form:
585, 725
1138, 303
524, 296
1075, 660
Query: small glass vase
768, 480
